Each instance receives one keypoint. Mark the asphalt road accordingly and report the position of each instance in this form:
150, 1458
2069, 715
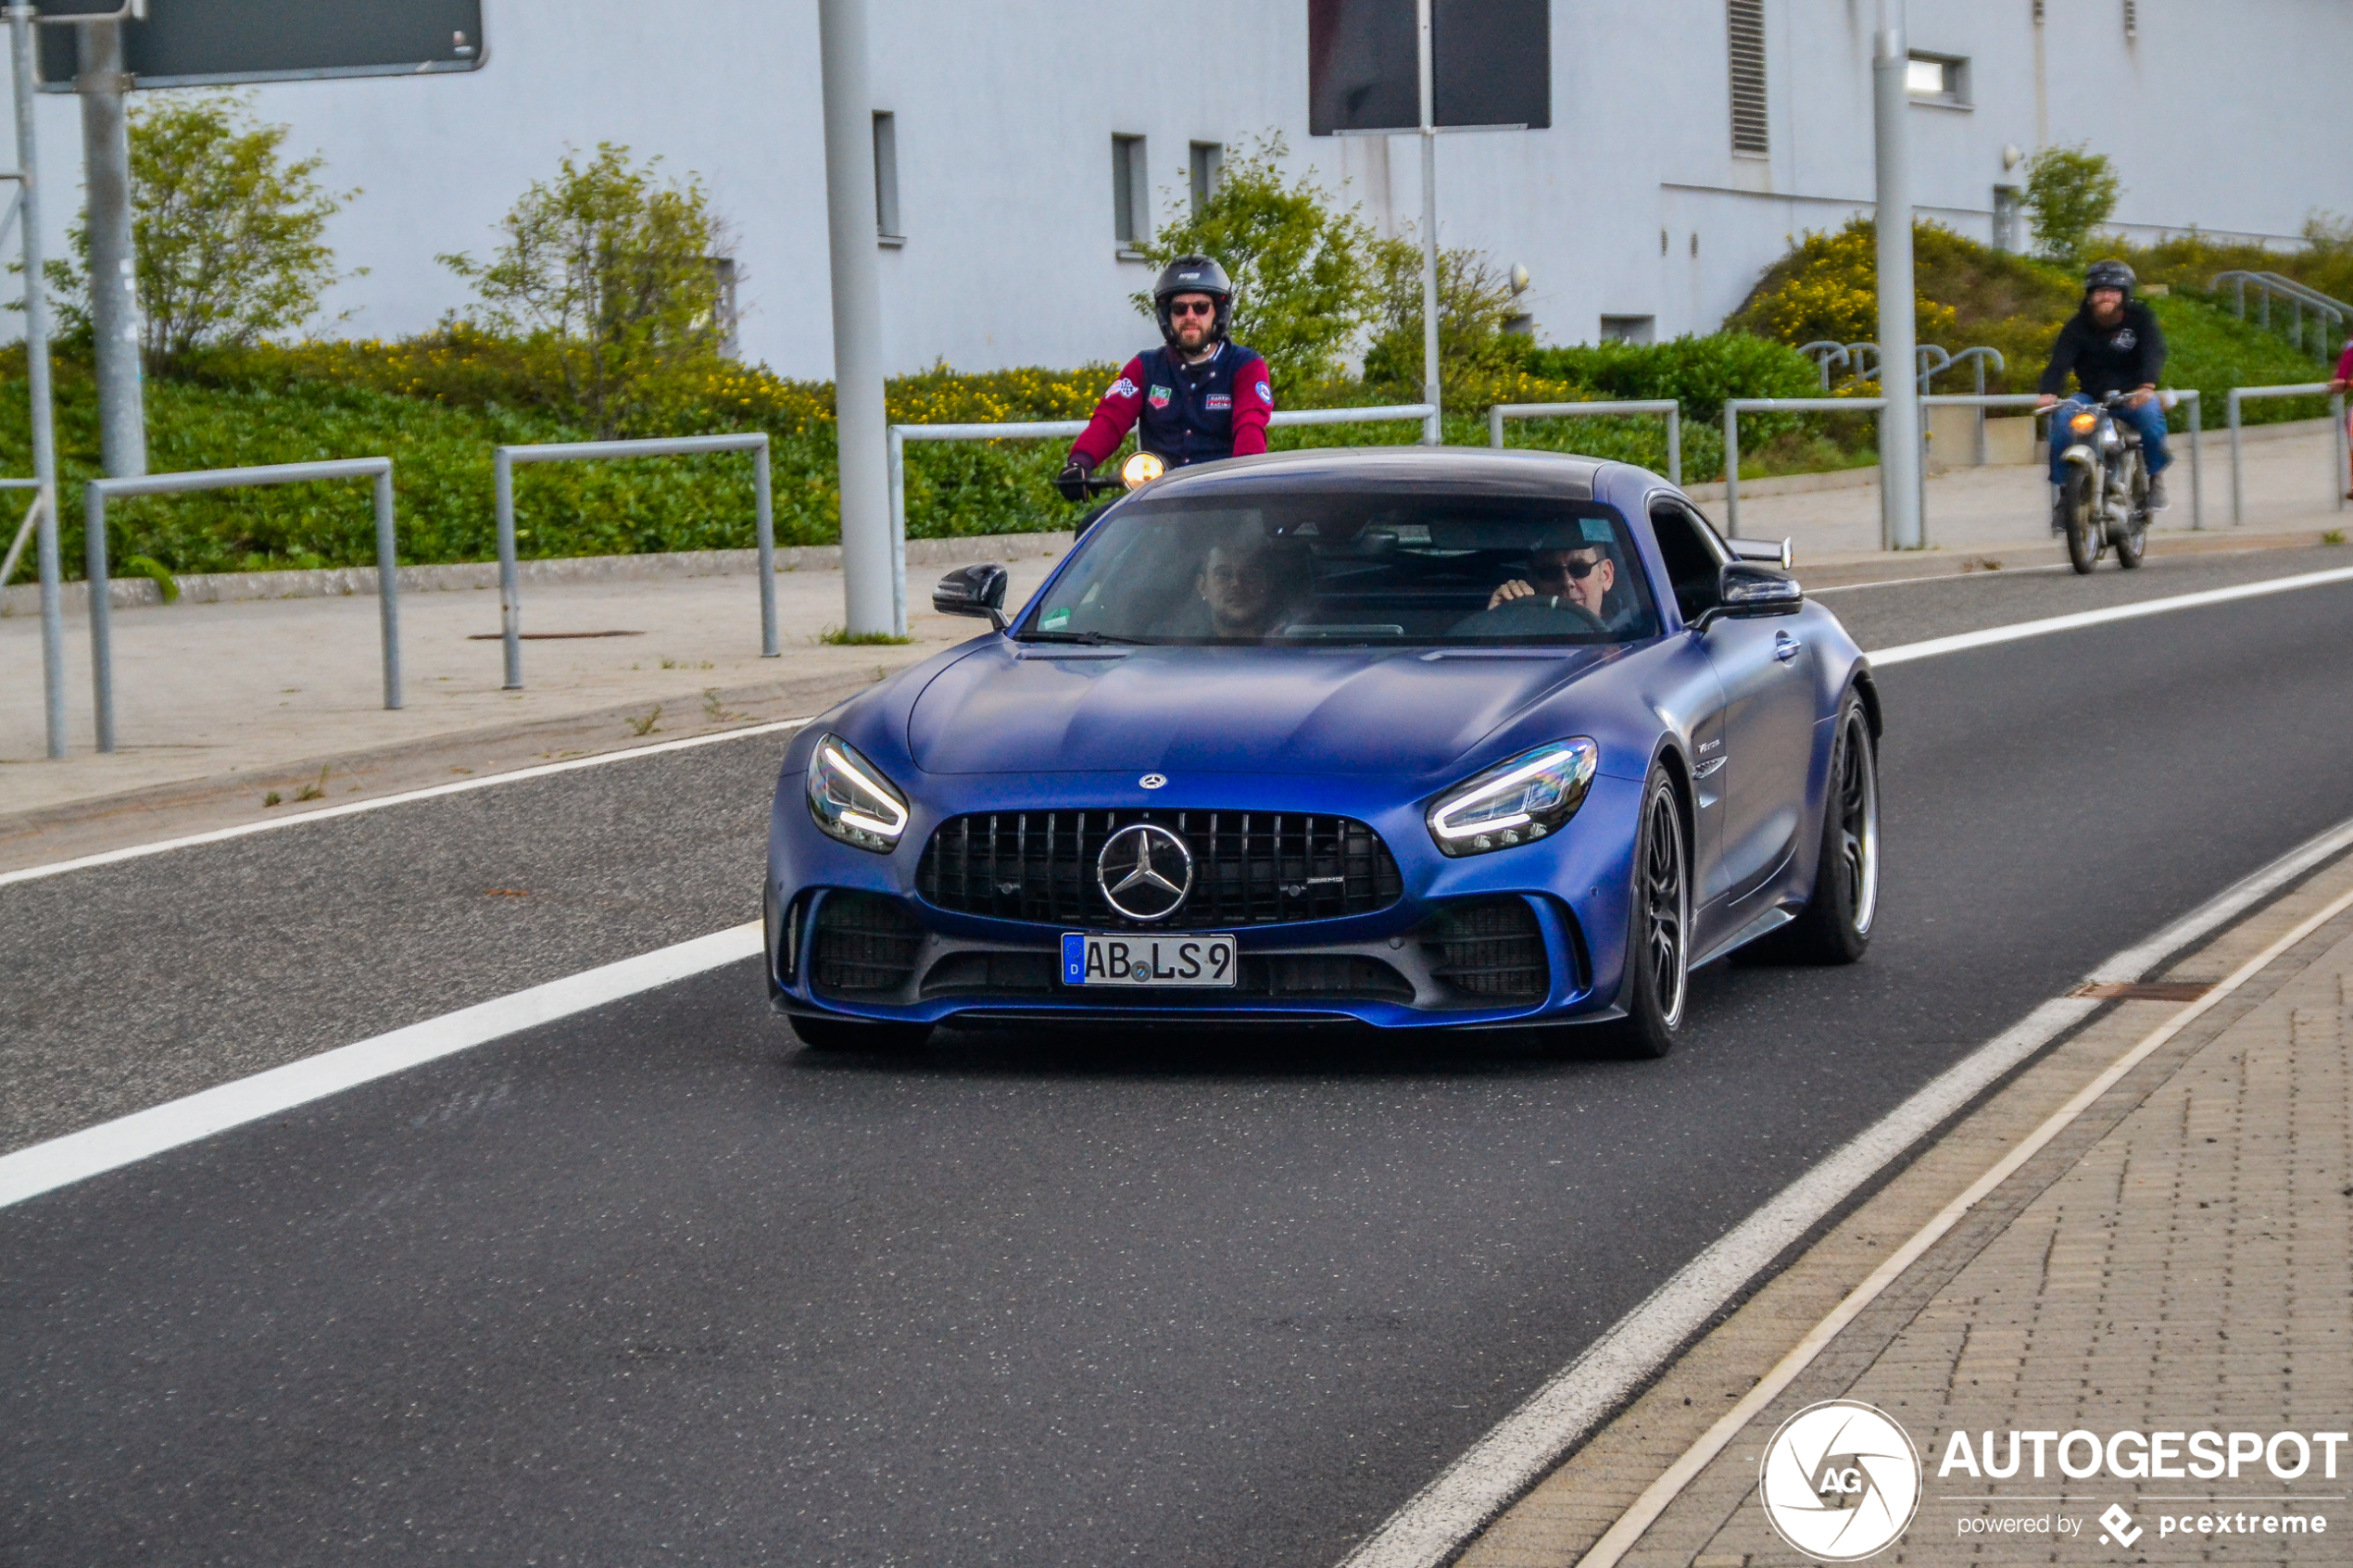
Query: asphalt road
651, 1284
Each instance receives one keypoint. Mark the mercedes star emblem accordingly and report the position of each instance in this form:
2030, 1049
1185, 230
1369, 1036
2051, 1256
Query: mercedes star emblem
1145, 871
1153, 780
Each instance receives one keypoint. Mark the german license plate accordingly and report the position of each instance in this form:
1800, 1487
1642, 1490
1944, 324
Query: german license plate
1138, 961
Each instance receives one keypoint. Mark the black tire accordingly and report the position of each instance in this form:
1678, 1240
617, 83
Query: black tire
1835, 926
848, 1035
1657, 992
2080, 505
2135, 541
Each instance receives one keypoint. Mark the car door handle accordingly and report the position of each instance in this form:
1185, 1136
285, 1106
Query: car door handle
1785, 647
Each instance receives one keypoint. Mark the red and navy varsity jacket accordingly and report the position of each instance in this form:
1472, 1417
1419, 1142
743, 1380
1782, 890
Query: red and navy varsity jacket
1183, 413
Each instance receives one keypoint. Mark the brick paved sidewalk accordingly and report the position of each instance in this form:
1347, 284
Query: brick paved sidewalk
2180, 1260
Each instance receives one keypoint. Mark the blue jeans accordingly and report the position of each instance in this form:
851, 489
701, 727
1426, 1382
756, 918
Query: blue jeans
2149, 418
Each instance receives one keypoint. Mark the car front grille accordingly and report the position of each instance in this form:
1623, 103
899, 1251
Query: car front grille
864, 943
1488, 953
1249, 868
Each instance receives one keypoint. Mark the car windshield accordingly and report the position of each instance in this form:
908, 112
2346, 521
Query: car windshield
1304, 567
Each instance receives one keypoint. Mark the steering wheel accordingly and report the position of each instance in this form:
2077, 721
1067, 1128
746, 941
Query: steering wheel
1531, 616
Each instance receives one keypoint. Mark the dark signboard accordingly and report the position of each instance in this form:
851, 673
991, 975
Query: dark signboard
205, 42
1491, 64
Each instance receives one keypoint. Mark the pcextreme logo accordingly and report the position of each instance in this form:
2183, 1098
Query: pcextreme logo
1839, 1481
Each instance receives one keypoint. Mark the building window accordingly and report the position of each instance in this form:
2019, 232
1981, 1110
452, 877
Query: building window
1130, 193
1208, 159
723, 302
1744, 30
1629, 328
887, 179
1938, 79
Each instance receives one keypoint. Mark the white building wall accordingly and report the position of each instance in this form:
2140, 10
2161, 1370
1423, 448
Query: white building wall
2217, 116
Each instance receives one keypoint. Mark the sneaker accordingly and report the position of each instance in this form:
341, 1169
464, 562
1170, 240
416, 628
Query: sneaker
2157, 502
2059, 519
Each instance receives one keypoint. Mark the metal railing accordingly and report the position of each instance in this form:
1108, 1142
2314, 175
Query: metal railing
2302, 389
1046, 430
2299, 297
1978, 358
502, 480
25, 530
1666, 406
100, 490
1735, 407
1824, 353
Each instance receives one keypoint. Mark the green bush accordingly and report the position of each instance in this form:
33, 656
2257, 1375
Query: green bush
2069, 193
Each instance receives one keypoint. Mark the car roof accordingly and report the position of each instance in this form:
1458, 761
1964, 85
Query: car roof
1390, 468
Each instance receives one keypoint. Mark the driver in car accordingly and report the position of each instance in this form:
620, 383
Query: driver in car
1248, 587
1579, 577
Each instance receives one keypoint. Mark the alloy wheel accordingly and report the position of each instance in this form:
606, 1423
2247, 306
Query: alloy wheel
1858, 821
1665, 896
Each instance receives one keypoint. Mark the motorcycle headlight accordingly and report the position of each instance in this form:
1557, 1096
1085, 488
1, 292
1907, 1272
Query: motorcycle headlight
1520, 802
851, 800
2082, 423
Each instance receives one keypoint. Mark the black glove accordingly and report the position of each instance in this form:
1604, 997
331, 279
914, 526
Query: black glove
1072, 480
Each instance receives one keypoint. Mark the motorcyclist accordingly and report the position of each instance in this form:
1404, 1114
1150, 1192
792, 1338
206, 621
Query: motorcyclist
2112, 343
1195, 399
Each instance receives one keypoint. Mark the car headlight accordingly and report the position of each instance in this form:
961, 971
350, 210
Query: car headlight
851, 798
1524, 800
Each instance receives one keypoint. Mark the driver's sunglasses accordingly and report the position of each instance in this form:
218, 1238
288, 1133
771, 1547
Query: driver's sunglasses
1192, 308
1580, 568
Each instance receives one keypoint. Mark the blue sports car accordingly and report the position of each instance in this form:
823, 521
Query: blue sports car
1415, 737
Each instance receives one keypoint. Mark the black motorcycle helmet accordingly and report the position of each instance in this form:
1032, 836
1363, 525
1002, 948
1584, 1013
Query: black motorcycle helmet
1193, 274
2110, 275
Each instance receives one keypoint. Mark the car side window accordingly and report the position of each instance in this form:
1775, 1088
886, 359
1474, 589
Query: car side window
1695, 562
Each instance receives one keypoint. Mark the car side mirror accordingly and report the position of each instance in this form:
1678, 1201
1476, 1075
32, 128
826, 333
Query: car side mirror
973, 590
1763, 550
1746, 589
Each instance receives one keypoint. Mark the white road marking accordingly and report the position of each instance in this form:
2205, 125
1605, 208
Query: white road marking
1629, 1526
44, 1167
1935, 648
1525, 1446
459, 786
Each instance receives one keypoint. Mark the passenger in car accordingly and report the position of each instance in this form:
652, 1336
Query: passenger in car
1249, 586
1582, 576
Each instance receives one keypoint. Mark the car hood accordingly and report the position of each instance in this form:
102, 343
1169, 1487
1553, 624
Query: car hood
1194, 710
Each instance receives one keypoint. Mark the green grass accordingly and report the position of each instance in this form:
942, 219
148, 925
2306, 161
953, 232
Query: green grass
842, 637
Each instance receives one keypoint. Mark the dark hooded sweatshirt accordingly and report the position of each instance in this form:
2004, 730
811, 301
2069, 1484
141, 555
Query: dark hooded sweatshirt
2106, 360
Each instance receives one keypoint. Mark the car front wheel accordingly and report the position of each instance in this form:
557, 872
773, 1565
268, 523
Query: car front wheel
1659, 956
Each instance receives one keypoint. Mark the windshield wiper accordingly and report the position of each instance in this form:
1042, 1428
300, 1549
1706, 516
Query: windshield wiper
1088, 639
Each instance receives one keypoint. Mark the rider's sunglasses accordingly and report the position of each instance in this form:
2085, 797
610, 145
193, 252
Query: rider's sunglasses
1192, 308
1580, 568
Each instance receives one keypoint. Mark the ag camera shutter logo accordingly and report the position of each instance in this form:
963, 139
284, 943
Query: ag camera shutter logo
1839, 1481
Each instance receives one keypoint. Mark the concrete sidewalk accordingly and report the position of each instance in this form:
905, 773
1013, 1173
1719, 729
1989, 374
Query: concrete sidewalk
2177, 1259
